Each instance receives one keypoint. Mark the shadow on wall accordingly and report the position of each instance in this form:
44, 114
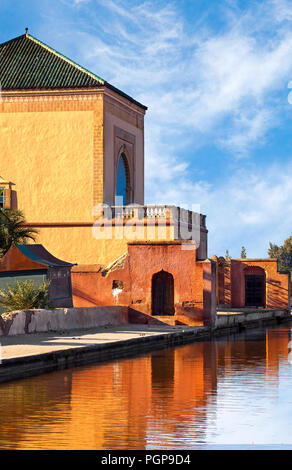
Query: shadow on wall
83, 297
277, 296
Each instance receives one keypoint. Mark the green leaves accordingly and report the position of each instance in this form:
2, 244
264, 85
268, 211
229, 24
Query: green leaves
283, 253
24, 295
12, 230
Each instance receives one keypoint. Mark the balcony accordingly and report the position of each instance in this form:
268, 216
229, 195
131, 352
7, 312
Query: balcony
151, 213
154, 223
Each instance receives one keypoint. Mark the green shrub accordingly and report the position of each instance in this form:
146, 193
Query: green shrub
24, 295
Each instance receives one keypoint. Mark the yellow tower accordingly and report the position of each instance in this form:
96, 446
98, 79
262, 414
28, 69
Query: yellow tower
73, 146
63, 134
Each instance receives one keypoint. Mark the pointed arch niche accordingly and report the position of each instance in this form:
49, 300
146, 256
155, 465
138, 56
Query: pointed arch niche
123, 180
124, 167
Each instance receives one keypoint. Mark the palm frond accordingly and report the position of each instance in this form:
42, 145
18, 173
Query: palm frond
12, 229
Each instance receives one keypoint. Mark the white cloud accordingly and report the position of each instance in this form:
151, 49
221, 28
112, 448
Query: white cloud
250, 208
193, 82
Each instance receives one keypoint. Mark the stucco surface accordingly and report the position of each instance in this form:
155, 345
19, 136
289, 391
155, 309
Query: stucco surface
49, 158
36, 321
194, 282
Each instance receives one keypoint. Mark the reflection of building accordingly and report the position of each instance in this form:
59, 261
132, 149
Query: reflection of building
120, 405
166, 399
25, 419
277, 349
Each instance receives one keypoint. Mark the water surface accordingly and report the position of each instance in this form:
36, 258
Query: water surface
235, 391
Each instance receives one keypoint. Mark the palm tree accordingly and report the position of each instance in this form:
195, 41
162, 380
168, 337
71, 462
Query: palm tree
12, 230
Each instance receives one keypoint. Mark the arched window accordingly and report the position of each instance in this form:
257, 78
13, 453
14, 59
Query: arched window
163, 294
123, 181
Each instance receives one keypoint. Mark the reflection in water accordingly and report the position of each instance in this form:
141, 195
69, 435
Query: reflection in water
234, 391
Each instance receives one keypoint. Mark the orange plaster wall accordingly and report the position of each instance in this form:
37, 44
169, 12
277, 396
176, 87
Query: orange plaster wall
194, 282
277, 284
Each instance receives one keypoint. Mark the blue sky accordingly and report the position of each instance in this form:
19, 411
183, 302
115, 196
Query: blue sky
215, 77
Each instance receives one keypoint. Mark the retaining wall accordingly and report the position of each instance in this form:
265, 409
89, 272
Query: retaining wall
65, 319
37, 321
234, 317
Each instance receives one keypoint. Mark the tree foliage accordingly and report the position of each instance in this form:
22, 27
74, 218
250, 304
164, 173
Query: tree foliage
12, 230
227, 255
283, 253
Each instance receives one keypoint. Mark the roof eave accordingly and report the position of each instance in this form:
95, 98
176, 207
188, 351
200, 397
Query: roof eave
88, 87
113, 88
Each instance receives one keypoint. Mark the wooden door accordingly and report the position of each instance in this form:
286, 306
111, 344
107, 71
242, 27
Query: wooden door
162, 294
254, 290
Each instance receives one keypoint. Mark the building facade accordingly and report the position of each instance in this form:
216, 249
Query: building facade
251, 283
69, 142
72, 158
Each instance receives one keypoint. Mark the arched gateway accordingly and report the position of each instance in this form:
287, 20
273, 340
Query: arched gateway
255, 287
163, 294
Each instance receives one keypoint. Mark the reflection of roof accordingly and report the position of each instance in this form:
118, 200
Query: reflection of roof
27, 63
39, 254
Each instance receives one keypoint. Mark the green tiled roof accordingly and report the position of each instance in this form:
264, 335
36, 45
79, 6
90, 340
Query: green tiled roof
26, 63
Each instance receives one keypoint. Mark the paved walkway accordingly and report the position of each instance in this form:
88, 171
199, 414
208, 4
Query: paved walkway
41, 343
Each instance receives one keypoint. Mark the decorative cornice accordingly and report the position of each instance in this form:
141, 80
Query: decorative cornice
50, 95
77, 94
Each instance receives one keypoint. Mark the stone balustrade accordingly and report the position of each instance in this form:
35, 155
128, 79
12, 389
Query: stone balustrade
154, 212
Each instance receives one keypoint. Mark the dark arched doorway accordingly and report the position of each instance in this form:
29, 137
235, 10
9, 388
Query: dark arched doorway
162, 294
255, 287
123, 181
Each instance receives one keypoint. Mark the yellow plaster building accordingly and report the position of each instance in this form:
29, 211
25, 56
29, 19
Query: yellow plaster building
69, 143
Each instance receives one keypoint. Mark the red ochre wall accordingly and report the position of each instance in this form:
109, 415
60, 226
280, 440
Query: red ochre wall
194, 283
277, 293
231, 282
